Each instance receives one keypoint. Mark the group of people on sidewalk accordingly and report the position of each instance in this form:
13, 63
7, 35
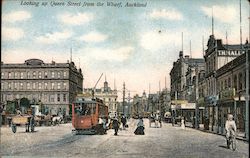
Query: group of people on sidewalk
116, 124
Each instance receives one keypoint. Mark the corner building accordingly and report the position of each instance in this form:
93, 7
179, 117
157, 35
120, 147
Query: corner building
55, 85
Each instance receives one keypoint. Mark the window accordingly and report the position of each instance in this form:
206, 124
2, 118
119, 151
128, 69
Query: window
21, 85
2, 74
28, 75
235, 82
45, 85
28, 85
39, 85
15, 85
58, 97
2, 86
225, 84
39, 74
229, 82
52, 98
240, 81
9, 75
45, 74
21, 75
221, 85
34, 74
16, 75
34, 85
64, 85
58, 85
52, 85
64, 97
58, 74
9, 85
52, 74
64, 74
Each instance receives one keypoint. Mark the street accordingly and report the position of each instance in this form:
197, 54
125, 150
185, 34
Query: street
168, 141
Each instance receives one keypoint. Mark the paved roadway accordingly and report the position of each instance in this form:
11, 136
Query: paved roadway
168, 141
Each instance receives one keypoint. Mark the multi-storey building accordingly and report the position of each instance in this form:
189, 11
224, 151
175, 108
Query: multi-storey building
108, 96
55, 85
183, 85
178, 75
231, 88
216, 56
139, 106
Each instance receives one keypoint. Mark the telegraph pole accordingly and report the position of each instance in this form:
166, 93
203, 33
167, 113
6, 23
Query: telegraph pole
247, 84
123, 97
196, 98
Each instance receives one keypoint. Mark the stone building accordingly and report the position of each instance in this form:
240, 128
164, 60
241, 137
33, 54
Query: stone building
178, 76
183, 85
231, 89
139, 105
216, 56
55, 85
108, 96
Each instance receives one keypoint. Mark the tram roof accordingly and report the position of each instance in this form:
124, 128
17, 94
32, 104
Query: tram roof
88, 100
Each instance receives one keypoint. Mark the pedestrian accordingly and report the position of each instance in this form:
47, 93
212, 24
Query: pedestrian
124, 121
140, 127
115, 126
173, 118
183, 123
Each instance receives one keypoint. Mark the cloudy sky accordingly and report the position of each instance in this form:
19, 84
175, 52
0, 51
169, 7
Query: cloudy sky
137, 45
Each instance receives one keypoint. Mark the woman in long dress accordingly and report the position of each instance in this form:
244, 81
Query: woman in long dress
140, 127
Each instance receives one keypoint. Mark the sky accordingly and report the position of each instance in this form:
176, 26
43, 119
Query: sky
135, 45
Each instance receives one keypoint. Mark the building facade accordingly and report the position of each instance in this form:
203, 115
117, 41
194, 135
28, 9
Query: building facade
216, 56
108, 96
184, 90
231, 88
55, 85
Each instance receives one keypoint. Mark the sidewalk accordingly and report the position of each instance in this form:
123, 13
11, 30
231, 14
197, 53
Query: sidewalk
240, 135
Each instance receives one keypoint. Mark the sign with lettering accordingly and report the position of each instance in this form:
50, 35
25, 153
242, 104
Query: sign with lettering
230, 52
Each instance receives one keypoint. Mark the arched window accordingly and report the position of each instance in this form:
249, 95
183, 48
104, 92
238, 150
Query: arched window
240, 81
235, 82
229, 82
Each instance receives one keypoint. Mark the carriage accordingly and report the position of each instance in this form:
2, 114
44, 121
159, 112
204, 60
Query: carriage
86, 116
19, 120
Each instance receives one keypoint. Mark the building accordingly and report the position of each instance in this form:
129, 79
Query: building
139, 105
178, 76
55, 85
231, 89
108, 96
216, 56
184, 88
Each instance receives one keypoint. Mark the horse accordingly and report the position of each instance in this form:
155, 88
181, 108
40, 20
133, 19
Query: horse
57, 120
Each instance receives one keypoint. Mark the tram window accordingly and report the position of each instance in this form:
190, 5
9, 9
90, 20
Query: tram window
85, 109
101, 111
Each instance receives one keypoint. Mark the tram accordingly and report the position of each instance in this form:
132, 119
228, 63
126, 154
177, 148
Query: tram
86, 116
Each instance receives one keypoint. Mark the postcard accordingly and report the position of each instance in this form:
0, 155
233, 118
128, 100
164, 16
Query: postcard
125, 78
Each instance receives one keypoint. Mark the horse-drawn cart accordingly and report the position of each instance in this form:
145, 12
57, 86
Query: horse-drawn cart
27, 120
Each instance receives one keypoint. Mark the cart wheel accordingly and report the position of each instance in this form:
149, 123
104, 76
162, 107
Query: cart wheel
13, 127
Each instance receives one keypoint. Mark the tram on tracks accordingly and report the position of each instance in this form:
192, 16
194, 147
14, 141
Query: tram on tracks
86, 116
